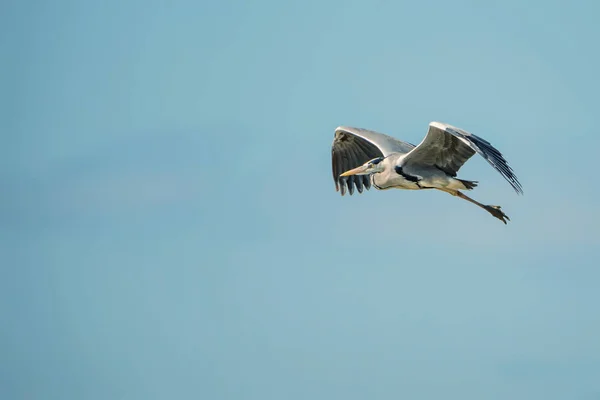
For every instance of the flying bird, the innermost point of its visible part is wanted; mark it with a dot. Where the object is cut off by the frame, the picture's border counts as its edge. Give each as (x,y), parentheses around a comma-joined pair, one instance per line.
(362,158)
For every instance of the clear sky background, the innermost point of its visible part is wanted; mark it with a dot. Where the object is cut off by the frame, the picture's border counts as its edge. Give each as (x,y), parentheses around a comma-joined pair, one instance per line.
(169,227)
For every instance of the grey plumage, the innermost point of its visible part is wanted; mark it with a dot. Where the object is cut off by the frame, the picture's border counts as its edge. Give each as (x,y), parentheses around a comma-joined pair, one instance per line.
(433,164)
(448,148)
(355,146)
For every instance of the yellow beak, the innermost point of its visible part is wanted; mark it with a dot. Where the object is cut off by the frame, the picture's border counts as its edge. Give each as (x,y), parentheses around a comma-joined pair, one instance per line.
(354,171)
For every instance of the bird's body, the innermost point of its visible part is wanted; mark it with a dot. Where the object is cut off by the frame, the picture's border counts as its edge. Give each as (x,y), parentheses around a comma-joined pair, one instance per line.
(415,177)
(363,158)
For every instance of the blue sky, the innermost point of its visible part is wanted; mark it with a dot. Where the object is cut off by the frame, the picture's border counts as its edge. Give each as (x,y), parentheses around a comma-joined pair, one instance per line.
(169,226)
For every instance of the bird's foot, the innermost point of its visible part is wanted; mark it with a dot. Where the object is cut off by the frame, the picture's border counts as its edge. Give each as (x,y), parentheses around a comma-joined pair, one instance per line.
(496,212)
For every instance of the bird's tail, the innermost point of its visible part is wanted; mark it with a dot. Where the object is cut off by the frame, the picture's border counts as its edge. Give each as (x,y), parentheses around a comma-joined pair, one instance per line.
(469,185)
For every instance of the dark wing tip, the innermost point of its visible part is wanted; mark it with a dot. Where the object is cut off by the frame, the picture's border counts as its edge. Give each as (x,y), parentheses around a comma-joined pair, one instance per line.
(490,153)
(350,151)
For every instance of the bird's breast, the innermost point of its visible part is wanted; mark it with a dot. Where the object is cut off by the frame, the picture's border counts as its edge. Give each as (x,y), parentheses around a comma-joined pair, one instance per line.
(393,181)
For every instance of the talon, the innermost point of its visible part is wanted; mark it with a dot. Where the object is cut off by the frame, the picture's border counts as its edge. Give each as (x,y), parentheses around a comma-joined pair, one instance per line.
(495,211)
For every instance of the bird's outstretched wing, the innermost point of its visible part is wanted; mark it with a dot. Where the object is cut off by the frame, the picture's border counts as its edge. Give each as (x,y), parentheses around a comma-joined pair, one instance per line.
(448,148)
(353,147)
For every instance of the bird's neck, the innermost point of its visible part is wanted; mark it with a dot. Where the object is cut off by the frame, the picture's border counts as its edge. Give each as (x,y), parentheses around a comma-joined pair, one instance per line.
(377,181)
(381,180)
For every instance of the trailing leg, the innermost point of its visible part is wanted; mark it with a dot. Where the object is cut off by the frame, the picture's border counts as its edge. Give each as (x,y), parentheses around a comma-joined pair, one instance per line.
(494,210)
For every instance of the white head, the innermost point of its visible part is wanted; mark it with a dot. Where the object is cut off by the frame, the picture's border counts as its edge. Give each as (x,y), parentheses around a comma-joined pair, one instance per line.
(370,167)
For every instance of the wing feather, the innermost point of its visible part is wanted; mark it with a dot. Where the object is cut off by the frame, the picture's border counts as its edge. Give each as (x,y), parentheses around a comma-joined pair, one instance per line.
(448,148)
(352,147)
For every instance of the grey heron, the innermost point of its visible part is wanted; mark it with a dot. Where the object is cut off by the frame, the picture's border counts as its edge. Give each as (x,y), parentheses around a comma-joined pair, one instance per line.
(362,158)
